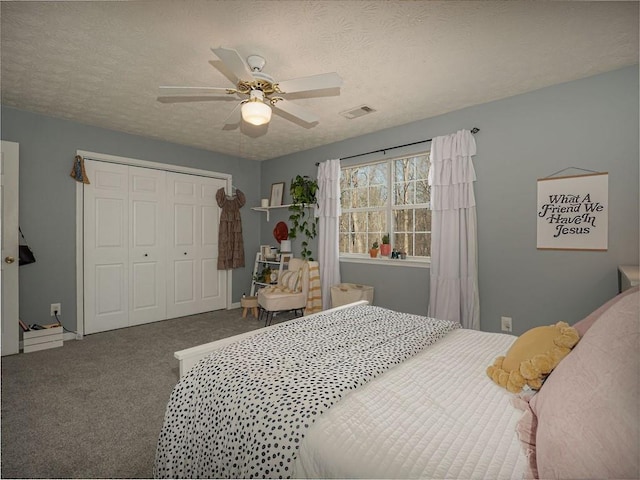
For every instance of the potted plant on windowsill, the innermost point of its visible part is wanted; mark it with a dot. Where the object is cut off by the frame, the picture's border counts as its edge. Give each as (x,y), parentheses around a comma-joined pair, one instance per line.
(385,248)
(373,251)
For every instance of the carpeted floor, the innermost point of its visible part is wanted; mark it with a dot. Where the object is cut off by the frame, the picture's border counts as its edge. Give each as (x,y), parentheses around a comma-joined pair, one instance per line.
(93,408)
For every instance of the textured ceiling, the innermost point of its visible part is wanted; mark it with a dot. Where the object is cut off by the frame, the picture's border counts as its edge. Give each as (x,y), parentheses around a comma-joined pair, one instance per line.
(101,63)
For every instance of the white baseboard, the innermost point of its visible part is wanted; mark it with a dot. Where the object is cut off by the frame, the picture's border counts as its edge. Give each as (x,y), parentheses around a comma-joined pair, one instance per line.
(234,305)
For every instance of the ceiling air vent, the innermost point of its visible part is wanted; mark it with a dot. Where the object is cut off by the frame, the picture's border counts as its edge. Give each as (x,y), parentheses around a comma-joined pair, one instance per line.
(357,112)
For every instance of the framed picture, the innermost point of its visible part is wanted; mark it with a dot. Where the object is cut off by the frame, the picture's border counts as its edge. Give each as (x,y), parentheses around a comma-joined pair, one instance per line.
(277,191)
(265,251)
(573,212)
(285,257)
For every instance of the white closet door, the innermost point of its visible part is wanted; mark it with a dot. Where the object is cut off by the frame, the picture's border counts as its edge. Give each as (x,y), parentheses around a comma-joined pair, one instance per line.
(194,284)
(147,248)
(106,247)
(9,298)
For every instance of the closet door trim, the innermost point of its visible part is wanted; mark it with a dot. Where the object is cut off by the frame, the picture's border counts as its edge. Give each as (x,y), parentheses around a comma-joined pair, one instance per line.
(103,157)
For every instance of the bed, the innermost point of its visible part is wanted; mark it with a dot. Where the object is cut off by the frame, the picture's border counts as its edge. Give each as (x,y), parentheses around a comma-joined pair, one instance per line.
(392,395)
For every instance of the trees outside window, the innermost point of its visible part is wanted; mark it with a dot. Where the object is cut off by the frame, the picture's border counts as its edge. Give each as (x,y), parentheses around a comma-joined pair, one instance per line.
(389,196)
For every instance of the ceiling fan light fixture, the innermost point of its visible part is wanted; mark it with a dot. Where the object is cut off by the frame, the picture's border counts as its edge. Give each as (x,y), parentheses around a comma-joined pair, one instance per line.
(254,111)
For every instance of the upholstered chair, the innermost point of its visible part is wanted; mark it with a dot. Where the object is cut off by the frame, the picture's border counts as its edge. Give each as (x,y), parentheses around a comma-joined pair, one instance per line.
(290,294)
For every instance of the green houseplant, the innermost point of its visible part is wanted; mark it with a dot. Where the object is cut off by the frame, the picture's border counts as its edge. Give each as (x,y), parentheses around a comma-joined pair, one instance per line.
(303,222)
(373,251)
(385,248)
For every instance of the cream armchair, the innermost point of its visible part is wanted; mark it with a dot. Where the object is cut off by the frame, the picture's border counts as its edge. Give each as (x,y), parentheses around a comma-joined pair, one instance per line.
(290,294)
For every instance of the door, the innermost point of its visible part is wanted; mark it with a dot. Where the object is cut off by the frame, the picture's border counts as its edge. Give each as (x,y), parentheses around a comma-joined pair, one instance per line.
(106,247)
(194,283)
(147,245)
(9,246)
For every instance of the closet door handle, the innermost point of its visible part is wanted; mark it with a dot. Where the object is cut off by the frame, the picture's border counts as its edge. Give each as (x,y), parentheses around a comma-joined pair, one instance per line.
(185,253)
(146,254)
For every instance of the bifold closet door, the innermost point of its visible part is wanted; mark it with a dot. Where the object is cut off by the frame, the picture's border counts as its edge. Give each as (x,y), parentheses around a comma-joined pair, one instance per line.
(106,247)
(125,247)
(194,283)
(147,247)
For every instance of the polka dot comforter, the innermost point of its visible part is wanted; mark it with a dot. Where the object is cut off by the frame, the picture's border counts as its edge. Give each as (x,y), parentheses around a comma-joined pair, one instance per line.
(243,410)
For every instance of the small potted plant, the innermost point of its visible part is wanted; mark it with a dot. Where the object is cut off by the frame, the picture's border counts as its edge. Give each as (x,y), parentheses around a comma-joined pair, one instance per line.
(373,251)
(385,248)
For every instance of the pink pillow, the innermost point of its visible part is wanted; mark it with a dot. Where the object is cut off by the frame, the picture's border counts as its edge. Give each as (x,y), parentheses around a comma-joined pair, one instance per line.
(583,325)
(587,410)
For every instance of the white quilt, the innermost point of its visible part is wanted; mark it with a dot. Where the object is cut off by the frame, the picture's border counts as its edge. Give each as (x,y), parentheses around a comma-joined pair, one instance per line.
(243,411)
(437,415)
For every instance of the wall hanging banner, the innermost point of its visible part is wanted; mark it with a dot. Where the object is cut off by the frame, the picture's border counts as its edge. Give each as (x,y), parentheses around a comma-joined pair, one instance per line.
(573,212)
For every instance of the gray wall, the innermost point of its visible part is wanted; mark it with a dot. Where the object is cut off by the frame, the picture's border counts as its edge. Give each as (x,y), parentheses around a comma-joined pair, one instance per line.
(590,123)
(47,201)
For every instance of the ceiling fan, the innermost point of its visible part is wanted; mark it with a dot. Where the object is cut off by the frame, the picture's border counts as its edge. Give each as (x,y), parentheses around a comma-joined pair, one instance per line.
(261,90)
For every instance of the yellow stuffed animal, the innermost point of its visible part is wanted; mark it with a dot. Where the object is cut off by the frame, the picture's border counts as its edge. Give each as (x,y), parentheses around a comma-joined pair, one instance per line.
(533,356)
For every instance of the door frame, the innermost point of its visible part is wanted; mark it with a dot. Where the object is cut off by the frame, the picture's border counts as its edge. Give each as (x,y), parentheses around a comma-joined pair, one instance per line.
(103,157)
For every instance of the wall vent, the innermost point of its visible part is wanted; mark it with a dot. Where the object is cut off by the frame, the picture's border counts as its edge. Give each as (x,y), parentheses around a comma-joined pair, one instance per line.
(357,112)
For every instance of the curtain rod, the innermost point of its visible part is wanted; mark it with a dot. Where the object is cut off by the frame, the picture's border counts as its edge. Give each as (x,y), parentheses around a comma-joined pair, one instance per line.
(474,130)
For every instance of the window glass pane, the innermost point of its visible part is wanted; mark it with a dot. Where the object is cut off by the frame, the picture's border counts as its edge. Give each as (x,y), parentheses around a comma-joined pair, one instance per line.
(358,222)
(360,177)
(422,167)
(345,245)
(345,178)
(378,174)
(403,220)
(344,223)
(404,193)
(423,244)
(359,243)
(402,242)
(360,197)
(377,196)
(404,170)
(377,223)
(423,193)
(423,220)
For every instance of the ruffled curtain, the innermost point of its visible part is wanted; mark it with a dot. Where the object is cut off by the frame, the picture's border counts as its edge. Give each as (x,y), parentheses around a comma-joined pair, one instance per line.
(328,213)
(454,245)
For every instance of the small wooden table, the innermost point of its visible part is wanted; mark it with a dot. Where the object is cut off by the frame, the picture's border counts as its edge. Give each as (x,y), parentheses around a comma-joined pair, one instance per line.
(249,303)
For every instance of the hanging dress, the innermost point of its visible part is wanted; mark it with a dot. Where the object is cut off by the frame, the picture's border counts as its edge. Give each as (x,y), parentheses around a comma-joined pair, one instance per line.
(230,243)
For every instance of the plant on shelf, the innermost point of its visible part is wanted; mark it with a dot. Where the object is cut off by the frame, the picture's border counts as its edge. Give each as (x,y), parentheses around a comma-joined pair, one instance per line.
(373,251)
(385,248)
(264,276)
(303,196)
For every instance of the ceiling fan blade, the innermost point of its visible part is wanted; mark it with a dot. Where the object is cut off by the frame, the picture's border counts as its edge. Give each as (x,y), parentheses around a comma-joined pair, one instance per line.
(234,62)
(297,111)
(167,90)
(234,117)
(314,82)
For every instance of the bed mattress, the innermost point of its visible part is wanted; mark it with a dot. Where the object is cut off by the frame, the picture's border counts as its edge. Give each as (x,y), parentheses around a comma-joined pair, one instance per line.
(437,415)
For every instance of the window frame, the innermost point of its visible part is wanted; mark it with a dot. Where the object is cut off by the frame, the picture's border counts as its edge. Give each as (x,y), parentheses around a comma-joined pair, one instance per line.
(389,208)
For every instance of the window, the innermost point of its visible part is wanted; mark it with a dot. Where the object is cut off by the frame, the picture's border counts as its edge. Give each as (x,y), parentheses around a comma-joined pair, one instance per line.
(392,197)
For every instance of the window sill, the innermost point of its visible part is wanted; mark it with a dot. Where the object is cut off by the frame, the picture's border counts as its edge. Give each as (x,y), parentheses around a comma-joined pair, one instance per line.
(391,262)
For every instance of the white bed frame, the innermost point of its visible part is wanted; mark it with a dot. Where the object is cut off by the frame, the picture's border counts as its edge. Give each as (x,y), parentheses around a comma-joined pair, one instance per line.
(190,356)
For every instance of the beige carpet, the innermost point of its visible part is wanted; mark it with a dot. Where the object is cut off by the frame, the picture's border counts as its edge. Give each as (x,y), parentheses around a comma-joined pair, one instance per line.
(93,408)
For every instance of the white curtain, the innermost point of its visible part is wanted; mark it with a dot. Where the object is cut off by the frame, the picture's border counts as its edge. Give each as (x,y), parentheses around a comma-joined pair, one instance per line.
(328,212)
(454,249)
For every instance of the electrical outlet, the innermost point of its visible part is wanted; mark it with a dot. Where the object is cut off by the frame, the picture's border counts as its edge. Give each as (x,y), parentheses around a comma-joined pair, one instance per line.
(56,307)
(506,324)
